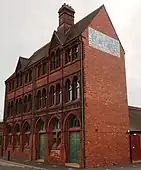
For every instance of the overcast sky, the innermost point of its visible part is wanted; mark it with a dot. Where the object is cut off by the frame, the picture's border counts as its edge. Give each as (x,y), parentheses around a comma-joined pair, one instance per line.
(27,25)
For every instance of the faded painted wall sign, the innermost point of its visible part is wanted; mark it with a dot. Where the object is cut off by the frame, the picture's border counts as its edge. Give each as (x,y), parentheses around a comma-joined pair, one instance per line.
(103,42)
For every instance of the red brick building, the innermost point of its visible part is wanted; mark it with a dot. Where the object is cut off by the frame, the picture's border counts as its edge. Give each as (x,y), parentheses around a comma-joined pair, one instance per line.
(67,103)
(135,133)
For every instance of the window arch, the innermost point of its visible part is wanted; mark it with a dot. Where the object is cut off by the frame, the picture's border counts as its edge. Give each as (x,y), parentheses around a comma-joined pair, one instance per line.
(68,89)
(26,136)
(29,102)
(52,96)
(75,88)
(73,122)
(17,134)
(58,58)
(56,134)
(25,104)
(39,99)
(58,94)
(52,63)
(17,106)
(20,106)
(44,96)
(41,125)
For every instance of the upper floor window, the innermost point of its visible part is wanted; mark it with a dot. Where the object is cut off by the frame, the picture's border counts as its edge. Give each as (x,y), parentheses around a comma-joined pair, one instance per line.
(58,58)
(12,108)
(29,102)
(17,81)
(26,77)
(13,84)
(75,52)
(44,68)
(58,94)
(52,63)
(44,96)
(68,90)
(52,96)
(30,75)
(17,106)
(39,99)
(10,86)
(8,109)
(25,104)
(75,89)
(68,56)
(21,79)
(39,71)
(20,106)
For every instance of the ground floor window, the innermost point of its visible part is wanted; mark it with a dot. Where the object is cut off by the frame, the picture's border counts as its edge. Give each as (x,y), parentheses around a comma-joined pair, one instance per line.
(56,134)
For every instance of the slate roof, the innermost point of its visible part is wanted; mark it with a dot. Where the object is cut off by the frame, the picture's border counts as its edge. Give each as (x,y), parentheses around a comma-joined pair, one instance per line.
(75,31)
(134,119)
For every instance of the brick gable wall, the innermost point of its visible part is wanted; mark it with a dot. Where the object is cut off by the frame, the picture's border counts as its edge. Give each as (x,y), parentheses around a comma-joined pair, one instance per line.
(106,109)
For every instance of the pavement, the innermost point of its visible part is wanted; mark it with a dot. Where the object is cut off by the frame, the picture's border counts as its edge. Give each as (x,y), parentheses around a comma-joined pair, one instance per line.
(9,165)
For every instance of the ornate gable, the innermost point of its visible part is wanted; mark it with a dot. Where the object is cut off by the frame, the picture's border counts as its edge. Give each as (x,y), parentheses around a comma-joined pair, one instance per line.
(55,41)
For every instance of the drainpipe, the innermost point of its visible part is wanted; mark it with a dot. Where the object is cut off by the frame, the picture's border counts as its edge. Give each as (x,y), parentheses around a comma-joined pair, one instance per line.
(82,100)
(130,145)
(32,109)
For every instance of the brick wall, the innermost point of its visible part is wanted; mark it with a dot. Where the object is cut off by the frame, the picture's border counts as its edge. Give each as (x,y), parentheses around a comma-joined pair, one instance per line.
(106,109)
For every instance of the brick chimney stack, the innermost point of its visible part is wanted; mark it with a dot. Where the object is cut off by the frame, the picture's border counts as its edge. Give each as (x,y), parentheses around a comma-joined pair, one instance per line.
(66,18)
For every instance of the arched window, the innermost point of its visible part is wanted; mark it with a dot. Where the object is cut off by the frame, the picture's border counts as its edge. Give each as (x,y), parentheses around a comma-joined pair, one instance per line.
(58,94)
(58,58)
(25,104)
(56,134)
(21,79)
(52,96)
(20,106)
(17,106)
(41,125)
(68,89)
(73,122)
(44,96)
(8,110)
(44,68)
(75,88)
(29,102)
(75,52)
(17,81)
(17,135)
(67,55)
(26,129)
(12,108)
(52,63)
(39,71)
(39,100)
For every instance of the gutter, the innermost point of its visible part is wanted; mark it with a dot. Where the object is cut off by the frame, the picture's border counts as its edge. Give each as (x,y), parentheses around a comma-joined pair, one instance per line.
(82,101)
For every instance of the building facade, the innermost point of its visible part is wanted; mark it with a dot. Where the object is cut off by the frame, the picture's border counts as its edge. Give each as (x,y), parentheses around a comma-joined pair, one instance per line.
(67,103)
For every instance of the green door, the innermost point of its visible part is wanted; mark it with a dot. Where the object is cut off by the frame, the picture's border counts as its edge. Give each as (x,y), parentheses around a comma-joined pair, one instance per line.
(74,147)
(41,146)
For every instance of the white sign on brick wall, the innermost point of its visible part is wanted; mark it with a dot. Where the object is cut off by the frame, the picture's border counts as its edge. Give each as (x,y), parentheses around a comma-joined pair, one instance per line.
(103,42)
